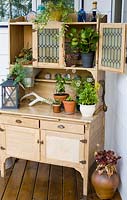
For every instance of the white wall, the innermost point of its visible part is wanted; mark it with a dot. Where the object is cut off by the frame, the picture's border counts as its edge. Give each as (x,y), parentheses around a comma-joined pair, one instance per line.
(4,57)
(116,100)
(116,123)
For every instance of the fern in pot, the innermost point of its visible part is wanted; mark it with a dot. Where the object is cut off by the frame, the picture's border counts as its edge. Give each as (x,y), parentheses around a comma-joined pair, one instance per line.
(88,99)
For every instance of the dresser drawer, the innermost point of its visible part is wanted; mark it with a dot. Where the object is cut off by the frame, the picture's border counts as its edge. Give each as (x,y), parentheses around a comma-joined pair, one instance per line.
(19,121)
(62,126)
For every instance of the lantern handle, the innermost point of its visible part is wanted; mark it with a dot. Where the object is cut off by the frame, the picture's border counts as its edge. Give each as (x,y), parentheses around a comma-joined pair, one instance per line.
(37,99)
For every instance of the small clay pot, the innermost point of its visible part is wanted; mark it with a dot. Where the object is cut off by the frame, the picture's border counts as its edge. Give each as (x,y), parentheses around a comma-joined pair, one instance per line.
(104,185)
(69,106)
(56,108)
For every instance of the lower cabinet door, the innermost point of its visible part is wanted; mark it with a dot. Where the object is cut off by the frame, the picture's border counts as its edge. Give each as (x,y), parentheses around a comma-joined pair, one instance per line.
(58,147)
(2,142)
(22,142)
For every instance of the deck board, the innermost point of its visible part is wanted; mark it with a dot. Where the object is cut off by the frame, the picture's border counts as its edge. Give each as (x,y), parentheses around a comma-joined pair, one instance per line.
(15,181)
(29,180)
(55,183)
(69,184)
(42,182)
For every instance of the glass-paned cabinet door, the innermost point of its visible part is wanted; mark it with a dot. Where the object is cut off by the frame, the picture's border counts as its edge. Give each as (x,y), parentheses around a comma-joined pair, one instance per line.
(48,49)
(112,47)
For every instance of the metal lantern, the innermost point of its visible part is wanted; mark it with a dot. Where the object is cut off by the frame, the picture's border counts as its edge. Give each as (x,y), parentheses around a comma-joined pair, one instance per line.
(10,94)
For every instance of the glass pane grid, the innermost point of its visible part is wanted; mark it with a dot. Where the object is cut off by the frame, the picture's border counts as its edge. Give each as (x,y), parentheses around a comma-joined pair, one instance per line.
(111,47)
(48,46)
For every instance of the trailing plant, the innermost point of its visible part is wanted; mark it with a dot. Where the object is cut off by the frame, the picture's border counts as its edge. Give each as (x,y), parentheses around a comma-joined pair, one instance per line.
(47,14)
(18,74)
(106,162)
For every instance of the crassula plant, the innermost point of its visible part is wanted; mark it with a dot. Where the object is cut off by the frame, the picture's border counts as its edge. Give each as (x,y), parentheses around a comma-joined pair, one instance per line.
(106,162)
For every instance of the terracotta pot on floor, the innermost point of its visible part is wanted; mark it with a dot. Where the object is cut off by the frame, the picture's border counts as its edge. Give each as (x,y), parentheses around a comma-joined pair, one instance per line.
(105,186)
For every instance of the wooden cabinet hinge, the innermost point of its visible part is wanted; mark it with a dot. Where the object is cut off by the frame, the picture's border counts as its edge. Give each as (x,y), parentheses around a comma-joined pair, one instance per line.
(2,148)
(83,162)
(83,141)
(1,129)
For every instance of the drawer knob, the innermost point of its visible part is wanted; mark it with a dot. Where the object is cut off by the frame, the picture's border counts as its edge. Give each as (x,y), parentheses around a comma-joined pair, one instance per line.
(83,162)
(18,121)
(1,129)
(61,126)
(2,148)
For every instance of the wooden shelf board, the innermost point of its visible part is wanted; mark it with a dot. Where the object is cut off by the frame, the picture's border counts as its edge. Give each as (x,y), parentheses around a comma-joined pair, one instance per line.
(81,23)
(21,23)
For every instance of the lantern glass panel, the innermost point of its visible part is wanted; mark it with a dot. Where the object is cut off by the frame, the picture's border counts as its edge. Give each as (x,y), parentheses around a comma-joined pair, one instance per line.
(9,97)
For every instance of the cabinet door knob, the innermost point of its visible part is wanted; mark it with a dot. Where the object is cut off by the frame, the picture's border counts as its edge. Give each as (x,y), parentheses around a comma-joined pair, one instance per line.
(1,129)
(38,141)
(42,142)
(2,148)
(61,126)
(18,121)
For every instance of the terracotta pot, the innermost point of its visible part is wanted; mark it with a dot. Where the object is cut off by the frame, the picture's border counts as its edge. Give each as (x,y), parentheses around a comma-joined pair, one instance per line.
(69,106)
(60,96)
(105,186)
(56,108)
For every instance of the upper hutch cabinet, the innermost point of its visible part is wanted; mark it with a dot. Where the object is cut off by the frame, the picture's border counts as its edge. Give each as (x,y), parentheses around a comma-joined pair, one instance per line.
(48,46)
(112,47)
(20,37)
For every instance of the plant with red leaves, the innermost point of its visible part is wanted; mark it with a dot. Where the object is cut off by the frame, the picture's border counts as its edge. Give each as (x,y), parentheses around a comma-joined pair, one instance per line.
(106,162)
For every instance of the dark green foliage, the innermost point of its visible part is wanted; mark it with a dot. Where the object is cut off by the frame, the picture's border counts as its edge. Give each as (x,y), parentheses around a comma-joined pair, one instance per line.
(83,40)
(18,73)
(15,8)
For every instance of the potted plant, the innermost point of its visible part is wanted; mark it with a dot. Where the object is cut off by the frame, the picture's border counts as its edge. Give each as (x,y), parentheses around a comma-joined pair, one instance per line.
(60,88)
(72,47)
(105,178)
(25,56)
(88,44)
(56,106)
(53,11)
(85,42)
(88,98)
(69,105)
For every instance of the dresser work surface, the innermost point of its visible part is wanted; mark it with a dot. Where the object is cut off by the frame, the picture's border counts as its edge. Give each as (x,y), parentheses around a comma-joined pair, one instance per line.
(37,134)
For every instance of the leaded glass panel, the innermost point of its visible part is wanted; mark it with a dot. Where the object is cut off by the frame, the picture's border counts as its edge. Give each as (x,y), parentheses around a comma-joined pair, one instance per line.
(48,46)
(112,47)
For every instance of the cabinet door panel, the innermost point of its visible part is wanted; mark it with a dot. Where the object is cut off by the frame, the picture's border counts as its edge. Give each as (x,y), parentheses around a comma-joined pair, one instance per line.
(2,142)
(64,147)
(48,47)
(112,46)
(22,142)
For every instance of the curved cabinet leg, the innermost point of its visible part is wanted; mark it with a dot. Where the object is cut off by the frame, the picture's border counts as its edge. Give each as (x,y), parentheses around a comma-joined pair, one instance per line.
(84,197)
(3,169)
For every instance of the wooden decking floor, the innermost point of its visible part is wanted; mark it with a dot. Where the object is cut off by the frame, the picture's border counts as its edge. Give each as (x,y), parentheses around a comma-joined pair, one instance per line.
(36,181)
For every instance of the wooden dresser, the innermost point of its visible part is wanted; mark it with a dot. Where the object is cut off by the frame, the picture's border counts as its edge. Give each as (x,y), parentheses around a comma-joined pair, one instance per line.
(38,134)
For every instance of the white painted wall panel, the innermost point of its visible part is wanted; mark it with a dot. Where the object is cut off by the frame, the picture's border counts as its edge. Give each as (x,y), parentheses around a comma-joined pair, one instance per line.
(4,56)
